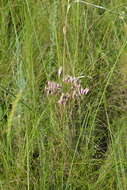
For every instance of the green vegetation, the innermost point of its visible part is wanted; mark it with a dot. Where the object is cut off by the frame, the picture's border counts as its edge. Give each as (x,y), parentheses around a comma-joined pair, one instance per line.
(79,146)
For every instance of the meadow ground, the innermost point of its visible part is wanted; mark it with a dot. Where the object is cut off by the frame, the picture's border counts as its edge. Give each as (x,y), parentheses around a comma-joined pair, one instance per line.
(81,145)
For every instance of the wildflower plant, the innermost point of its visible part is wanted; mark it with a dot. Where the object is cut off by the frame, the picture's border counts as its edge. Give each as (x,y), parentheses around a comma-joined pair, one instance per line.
(67,90)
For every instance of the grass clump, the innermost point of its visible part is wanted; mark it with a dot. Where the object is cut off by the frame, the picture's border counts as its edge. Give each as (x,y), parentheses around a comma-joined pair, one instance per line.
(81,145)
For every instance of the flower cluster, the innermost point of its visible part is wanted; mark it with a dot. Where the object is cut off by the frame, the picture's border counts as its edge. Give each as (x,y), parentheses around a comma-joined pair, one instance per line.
(52,88)
(76,86)
(75,91)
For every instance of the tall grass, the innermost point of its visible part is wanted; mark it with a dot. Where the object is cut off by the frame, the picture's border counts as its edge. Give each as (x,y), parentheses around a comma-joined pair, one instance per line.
(78,146)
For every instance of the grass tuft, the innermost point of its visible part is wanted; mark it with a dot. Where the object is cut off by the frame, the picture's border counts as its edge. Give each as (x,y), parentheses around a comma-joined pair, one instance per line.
(81,145)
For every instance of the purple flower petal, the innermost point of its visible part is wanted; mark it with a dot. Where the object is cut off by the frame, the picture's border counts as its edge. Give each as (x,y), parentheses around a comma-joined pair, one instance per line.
(84,91)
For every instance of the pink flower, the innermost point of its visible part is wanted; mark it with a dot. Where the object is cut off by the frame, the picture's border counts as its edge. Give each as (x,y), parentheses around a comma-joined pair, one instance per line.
(74,92)
(52,87)
(84,91)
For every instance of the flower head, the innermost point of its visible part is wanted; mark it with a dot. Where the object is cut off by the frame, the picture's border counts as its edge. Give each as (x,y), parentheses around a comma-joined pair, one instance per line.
(52,87)
(74,89)
(84,91)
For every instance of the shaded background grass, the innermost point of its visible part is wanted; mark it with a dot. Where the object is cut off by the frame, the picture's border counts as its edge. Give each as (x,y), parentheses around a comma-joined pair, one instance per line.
(42,145)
